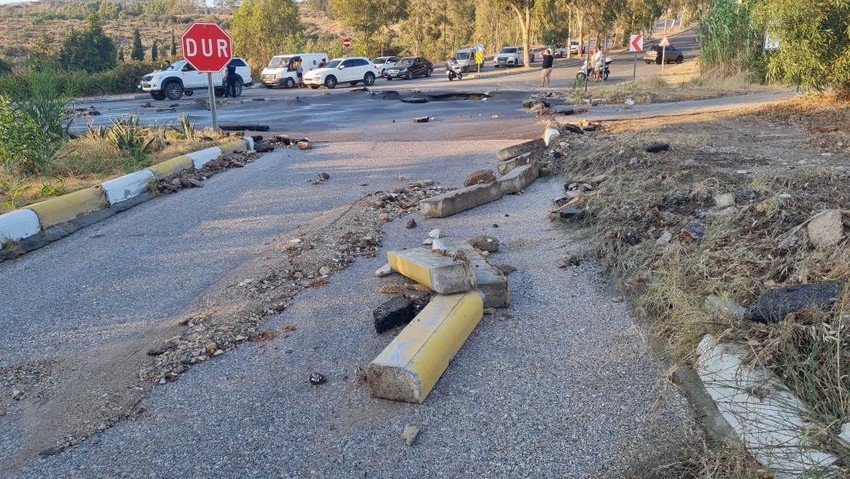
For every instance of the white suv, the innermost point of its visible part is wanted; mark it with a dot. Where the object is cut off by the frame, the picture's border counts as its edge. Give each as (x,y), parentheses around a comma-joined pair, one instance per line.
(341,70)
(181,78)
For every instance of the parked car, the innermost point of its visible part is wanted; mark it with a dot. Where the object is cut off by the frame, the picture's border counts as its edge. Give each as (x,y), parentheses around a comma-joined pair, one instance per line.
(558,52)
(277,72)
(574,46)
(382,63)
(180,78)
(410,67)
(672,55)
(511,57)
(340,70)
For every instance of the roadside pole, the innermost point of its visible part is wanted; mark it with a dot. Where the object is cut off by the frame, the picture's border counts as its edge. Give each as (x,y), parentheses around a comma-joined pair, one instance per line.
(634,66)
(212,101)
(663,57)
(635,46)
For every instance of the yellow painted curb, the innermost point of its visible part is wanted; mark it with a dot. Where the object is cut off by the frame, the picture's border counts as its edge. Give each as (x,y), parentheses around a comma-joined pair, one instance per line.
(440,273)
(410,366)
(173,165)
(68,207)
(231,146)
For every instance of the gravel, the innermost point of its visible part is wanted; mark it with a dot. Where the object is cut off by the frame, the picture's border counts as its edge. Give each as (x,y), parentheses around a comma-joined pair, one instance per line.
(559,385)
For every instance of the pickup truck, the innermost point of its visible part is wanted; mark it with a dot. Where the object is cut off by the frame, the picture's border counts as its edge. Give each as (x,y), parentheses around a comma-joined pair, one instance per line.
(180,78)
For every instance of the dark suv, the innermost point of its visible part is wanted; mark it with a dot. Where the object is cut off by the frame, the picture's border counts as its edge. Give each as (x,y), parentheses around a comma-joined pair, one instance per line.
(672,55)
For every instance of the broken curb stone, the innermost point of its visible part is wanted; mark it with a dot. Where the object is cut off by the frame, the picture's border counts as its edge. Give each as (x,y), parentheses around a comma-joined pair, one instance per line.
(480,177)
(516,150)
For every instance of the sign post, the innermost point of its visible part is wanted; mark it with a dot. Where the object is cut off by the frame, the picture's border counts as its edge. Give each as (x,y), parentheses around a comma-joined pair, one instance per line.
(479,56)
(346,43)
(635,46)
(209,49)
(664,43)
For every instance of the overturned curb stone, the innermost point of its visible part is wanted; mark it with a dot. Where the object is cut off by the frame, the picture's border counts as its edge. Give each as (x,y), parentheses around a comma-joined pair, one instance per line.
(768,418)
(17,225)
(459,200)
(516,150)
(409,367)
(435,271)
(67,208)
(516,180)
(507,166)
(550,134)
(492,283)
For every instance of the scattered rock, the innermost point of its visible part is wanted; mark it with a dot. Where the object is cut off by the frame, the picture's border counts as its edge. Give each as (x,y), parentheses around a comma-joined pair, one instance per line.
(317,379)
(385,217)
(573,129)
(324,271)
(657,147)
(506,269)
(392,289)
(826,229)
(304,145)
(695,230)
(396,312)
(409,435)
(485,243)
(745,196)
(17,394)
(774,305)
(665,238)
(384,270)
(428,241)
(324,176)
(480,177)
(263,146)
(573,214)
(629,102)
(411,223)
(725,200)
(717,303)
(435,233)
(422,119)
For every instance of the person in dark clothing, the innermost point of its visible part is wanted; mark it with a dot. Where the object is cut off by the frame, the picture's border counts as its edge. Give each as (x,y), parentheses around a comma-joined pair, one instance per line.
(230,81)
(546,68)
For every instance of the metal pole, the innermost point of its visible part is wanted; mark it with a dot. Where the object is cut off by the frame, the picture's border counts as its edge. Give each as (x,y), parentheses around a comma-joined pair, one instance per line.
(634,70)
(663,57)
(212,101)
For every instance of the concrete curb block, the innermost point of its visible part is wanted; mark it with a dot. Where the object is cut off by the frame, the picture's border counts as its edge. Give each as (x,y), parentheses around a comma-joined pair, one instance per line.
(202,157)
(507,166)
(768,418)
(440,273)
(516,180)
(17,225)
(67,208)
(459,200)
(44,222)
(516,150)
(127,187)
(409,367)
(169,167)
(492,283)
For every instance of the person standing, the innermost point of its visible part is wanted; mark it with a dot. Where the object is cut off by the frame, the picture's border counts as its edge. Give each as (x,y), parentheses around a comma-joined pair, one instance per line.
(230,81)
(546,68)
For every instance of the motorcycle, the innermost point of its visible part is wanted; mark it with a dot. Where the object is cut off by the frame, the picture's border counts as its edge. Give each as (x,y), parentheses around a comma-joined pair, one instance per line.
(586,70)
(453,71)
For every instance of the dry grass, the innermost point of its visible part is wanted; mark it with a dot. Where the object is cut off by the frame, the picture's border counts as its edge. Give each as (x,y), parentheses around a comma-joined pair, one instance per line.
(93,159)
(739,257)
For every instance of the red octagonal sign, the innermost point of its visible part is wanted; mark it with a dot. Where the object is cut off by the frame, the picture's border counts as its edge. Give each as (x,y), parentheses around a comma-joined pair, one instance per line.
(207,47)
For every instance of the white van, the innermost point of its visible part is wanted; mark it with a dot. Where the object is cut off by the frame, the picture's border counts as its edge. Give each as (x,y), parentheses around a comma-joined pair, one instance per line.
(280,72)
(465,59)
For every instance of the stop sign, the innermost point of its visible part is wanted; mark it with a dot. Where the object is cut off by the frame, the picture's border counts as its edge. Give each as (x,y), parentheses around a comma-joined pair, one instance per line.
(207,47)
(346,42)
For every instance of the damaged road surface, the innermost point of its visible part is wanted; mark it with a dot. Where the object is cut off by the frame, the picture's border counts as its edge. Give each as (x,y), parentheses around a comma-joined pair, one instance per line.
(225,331)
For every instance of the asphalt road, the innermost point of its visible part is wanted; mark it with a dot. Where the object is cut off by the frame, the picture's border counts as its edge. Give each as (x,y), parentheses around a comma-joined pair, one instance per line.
(307,111)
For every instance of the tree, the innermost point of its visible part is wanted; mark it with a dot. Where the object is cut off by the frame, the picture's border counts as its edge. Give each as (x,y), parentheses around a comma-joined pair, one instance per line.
(368,17)
(154,53)
(44,49)
(522,9)
(137,52)
(173,44)
(88,49)
(814,43)
(264,28)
